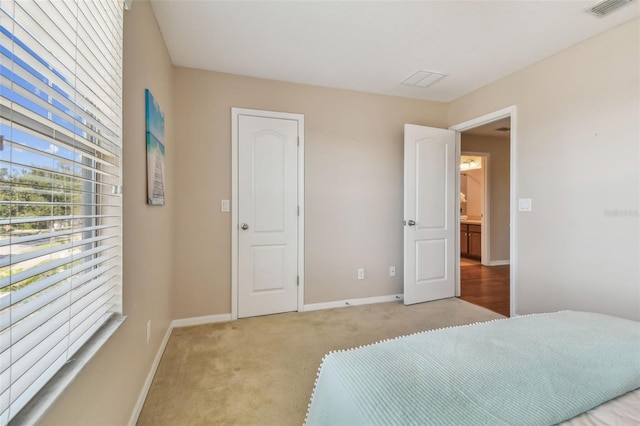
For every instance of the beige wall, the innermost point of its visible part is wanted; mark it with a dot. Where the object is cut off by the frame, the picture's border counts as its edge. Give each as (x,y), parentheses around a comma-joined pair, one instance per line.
(498,150)
(577,158)
(577,151)
(353,185)
(107,389)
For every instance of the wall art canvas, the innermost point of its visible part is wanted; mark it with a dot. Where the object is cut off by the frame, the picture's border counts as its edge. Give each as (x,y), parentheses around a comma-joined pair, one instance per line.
(155,151)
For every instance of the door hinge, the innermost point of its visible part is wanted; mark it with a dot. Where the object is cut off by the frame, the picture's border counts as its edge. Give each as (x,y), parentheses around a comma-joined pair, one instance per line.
(298,140)
(298,210)
(298,280)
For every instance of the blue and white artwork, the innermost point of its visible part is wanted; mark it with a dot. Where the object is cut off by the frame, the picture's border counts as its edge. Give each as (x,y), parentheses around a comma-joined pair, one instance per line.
(155,151)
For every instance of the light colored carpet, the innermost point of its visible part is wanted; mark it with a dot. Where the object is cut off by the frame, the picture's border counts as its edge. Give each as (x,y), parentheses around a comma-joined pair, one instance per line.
(261,370)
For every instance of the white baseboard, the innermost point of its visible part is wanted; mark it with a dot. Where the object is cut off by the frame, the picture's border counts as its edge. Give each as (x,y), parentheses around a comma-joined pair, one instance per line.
(147,383)
(498,262)
(352,302)
(207,319)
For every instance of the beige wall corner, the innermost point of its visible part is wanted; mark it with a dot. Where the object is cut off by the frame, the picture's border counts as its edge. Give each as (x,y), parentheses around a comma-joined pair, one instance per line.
(106,392)
(353,177)
(577,159)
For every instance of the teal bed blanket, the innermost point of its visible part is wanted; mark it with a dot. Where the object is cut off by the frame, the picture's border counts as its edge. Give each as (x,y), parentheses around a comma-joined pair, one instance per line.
(530,370)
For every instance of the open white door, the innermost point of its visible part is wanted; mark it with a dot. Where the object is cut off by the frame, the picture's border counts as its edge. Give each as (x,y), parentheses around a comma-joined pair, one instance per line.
(429,212)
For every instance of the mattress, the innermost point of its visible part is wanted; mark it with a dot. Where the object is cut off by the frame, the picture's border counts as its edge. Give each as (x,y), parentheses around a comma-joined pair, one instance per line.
(537,369)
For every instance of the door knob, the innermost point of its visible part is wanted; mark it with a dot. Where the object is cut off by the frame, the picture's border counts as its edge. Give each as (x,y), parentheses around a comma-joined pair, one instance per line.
(244,226)
(412,222)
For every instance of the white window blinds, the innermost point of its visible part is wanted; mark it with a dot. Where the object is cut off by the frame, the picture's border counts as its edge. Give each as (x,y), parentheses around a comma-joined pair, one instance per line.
(60,208)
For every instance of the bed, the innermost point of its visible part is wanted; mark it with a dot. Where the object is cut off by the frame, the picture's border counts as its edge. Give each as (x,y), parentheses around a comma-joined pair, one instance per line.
(575,367)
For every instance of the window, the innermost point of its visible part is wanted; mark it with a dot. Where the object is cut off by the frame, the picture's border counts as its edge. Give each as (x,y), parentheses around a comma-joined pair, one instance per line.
(60,206)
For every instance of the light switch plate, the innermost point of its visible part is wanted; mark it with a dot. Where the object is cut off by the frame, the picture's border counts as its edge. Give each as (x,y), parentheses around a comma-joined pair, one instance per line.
(524,204)
(224,206)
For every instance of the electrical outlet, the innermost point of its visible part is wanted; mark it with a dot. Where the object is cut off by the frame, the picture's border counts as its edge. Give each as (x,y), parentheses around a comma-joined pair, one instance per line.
(392,271)
(361,273)
(148,330)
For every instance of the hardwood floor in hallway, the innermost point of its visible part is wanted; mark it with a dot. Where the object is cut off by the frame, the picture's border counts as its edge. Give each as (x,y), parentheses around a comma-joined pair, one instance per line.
(486,286)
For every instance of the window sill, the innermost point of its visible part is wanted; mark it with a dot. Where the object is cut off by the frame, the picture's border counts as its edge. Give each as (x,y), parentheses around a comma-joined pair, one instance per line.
(38,406)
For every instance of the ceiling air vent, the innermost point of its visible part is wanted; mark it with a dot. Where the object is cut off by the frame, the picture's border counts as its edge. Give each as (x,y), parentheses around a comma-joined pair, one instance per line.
(503,129)
(423,79)
(607,6)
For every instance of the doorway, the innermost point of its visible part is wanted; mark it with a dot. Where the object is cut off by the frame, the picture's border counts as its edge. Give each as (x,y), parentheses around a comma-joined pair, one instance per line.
(486,277)
(474,207)
(267,212)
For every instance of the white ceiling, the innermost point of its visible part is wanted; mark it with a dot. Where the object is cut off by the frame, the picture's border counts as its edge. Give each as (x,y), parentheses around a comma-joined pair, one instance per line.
(372,46)
(490,129)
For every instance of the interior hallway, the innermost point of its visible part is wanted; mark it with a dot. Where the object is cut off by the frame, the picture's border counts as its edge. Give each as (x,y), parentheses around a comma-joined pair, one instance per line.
(486,286)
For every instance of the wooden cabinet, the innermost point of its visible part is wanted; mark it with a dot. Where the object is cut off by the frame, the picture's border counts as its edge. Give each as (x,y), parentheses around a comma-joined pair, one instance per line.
(464,240)
(471,240)
(475,240)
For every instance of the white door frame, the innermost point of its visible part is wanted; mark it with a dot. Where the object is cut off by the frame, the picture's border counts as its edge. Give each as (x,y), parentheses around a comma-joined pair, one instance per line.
(513,252)
(235,112)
